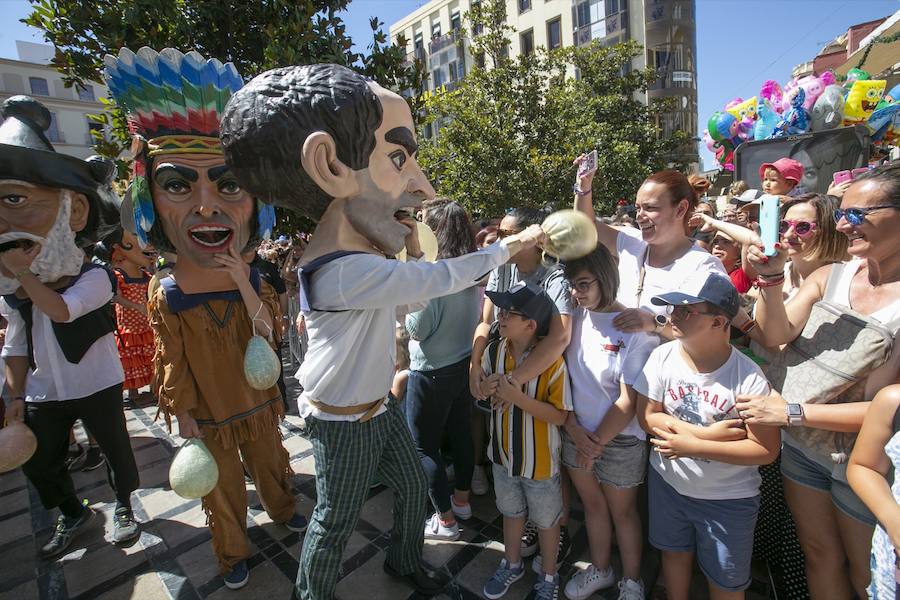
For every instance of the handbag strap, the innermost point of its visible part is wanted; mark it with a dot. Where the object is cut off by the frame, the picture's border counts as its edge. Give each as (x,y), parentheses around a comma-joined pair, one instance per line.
(641,275)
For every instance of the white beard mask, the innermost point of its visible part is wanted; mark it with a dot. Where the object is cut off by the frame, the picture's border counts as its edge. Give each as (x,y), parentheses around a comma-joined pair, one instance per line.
(59,255)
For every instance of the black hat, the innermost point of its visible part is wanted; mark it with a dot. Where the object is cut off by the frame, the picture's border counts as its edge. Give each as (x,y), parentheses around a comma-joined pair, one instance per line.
(27,155)
(704,287)
(529,300)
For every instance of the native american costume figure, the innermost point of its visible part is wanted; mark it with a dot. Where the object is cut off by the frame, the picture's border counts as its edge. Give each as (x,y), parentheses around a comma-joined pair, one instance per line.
(184,199)
(325,142)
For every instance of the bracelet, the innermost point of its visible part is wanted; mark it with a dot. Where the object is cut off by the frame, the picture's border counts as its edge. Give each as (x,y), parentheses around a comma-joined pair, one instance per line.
(774,277)
(748,326)
(764,283)
(581,192)
(22,272)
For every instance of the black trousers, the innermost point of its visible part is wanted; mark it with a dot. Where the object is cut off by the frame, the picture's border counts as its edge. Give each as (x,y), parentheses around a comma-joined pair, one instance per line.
(51,421)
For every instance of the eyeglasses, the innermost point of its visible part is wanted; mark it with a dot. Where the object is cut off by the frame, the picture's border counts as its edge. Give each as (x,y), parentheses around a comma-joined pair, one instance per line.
(855,216)
(801,228)
(582,286)
(683,314)
(505,313)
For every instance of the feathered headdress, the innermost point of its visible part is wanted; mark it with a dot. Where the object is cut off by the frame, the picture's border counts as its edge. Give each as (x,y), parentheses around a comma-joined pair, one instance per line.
(173,103)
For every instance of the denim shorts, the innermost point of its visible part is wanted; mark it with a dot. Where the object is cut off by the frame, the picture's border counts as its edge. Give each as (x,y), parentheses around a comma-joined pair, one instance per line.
(802,469)
(538,499)
(623,463)
(720,532)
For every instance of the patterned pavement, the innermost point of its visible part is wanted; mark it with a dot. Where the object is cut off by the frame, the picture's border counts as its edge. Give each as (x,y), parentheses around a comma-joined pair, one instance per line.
(173,558)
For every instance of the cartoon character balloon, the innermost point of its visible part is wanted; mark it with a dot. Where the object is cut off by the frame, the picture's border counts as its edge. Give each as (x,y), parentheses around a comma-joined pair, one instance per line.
(828,111)
(766,120)
(894,94)
(885,124)
(795,120)
(771,92)
(813,87)
(854,75)
(862,100)
(723,127)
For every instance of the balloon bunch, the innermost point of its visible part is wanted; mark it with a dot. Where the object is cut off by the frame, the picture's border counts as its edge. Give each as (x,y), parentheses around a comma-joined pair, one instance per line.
(810,103)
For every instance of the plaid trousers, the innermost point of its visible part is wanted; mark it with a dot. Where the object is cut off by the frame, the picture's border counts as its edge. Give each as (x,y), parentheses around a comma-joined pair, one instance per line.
(349,455)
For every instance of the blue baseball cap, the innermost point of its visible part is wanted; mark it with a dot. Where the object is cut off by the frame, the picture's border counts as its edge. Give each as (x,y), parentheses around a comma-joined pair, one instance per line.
(529,300)
(711,288)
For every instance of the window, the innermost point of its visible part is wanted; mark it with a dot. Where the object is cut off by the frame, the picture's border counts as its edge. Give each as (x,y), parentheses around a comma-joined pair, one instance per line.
(418,44)
(436,29)
(526,43)
(93,126)
(53,131)
(86,93)
(524,6)
(437,77)
(554,33)
(455,21)
(39,86)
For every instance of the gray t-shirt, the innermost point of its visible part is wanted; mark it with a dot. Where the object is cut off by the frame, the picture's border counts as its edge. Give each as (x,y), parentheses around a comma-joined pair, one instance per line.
(550,279)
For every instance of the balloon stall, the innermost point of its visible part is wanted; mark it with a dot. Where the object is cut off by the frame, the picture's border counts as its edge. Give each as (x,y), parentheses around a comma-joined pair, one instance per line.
(807,104)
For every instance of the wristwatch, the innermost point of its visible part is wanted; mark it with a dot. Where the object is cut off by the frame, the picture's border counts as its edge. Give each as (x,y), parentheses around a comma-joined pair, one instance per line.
(660,321)
(794,414)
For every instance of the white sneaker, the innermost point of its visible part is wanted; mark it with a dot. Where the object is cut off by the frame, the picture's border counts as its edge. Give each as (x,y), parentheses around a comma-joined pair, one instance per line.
(480,483)
(629,589)
(588,581)
(537,565)
(435,530)
(461,511)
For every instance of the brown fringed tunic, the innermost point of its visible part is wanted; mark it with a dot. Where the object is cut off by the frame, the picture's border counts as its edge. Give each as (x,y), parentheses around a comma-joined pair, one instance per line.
(199,368)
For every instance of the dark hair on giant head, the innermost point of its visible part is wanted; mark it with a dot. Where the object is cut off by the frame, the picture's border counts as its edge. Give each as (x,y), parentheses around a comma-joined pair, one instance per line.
(451,226)
(266,123)
(601,264)
(678,187)
(103,250)
(887,177)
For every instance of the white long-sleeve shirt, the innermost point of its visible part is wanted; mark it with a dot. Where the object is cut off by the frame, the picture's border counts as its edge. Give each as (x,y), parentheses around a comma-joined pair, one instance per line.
(351,353)
(54,377)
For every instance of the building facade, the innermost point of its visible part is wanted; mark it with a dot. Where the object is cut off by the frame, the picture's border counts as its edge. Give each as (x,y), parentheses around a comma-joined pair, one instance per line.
(665,28)
(69,108)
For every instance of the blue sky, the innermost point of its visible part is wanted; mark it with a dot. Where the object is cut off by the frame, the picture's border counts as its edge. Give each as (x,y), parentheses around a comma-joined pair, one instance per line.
(740,43)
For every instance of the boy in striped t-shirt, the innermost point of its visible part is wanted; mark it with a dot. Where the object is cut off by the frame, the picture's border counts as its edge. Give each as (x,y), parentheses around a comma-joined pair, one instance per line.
(525,440)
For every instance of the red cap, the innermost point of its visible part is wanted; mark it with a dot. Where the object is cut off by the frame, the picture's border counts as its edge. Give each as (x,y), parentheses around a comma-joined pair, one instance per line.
(621,202)
(789,168)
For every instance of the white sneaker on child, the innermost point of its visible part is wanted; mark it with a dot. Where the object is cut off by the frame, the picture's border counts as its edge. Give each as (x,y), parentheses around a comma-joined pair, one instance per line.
(480,483)
(587,581)
(436,530)
(629,589)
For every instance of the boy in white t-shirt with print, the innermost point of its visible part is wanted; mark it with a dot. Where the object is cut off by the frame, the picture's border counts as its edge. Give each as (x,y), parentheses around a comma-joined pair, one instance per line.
(704,481)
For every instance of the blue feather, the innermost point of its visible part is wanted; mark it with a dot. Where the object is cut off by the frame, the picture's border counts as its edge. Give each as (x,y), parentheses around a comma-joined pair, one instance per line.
(233,78)
(191,65)
(265,216)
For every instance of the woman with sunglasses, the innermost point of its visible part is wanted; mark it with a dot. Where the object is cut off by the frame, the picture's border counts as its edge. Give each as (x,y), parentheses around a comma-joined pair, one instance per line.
(833,525)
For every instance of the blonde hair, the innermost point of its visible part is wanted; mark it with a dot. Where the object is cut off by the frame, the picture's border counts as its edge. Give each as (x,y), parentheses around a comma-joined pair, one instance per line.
(829,244)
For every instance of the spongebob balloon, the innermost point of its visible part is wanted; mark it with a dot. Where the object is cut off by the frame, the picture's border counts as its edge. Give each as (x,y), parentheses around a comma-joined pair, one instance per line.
(862,100)
(744,110)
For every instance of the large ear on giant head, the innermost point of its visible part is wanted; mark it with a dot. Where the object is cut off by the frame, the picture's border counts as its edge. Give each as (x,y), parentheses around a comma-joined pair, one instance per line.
(81,210)
(321,163)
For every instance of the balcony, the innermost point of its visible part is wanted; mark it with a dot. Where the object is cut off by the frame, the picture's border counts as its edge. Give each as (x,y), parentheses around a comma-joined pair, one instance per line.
(439,43)
(417,54)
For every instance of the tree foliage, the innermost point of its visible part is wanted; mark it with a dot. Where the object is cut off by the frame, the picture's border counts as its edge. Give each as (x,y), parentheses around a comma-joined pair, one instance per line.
(255,35)
(509,132)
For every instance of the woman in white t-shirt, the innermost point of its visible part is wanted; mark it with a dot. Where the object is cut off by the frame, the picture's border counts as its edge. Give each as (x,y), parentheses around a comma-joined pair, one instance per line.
(658,261)
(833,525)
(604,448)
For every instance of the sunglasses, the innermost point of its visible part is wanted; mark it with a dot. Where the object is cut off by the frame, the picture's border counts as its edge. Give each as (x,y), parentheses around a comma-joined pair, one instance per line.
(855,216)
(582,286)
(801,228)
(506,313)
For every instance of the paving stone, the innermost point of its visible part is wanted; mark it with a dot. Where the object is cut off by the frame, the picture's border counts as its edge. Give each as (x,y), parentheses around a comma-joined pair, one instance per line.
(377,584)
(25,591)
(266,581)
(146,586)
(379,510)
(199,564)
(99,565)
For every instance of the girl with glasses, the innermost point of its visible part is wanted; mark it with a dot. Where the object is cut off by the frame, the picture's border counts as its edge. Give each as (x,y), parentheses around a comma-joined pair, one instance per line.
(833,525)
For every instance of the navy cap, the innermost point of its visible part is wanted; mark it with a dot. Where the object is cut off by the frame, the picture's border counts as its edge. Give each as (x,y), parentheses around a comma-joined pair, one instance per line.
(529,300)
(711,288)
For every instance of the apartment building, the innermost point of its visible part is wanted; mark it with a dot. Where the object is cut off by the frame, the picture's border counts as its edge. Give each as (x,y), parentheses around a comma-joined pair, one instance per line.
(666,29)
(31,74)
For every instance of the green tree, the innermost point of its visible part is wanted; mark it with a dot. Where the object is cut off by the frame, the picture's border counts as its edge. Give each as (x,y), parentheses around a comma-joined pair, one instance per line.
(510,130)
(255,35)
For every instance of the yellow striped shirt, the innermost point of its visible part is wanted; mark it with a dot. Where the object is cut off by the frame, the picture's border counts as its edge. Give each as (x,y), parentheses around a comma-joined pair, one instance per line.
(525,445)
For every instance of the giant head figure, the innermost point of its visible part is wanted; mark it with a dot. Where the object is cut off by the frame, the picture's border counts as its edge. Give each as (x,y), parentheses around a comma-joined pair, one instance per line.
(58,201)
(183,198)
(327,143)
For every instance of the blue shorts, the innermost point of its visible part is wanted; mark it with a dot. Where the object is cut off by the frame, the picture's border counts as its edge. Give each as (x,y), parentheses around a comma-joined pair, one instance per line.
(799,468)
(720,532)
(538,499)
